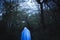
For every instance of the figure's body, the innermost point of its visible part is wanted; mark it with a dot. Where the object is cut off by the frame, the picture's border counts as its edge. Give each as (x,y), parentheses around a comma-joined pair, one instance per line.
(25,34)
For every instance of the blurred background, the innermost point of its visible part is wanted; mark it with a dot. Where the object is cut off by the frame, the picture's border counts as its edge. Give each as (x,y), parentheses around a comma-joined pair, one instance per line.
(41,17)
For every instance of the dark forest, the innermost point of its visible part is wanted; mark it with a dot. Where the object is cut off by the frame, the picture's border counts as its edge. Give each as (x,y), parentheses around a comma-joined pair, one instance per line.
(41,17)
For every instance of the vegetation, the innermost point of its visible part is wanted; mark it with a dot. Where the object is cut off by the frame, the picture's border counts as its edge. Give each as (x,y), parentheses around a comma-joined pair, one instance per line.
(44,25)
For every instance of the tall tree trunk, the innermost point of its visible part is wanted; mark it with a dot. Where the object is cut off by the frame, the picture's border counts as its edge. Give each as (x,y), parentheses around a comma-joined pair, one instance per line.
(42,17)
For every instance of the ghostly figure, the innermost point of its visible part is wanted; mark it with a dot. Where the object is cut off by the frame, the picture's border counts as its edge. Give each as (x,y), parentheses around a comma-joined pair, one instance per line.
(25,34)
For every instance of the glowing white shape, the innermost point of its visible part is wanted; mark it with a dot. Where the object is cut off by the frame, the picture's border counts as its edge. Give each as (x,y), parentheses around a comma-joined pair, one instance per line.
(0,14)
(25,34)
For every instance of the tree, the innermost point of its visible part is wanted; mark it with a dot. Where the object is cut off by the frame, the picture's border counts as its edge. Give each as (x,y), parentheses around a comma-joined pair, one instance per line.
(50,15)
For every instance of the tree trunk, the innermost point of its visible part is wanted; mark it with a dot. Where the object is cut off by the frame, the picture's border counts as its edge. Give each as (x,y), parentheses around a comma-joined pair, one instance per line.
(42,17)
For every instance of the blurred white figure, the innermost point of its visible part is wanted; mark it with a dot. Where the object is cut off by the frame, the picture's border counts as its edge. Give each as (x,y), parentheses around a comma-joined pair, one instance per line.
(25,34)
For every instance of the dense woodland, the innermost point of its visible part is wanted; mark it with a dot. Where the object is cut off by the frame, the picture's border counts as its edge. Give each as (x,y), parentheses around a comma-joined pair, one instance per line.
(44,25)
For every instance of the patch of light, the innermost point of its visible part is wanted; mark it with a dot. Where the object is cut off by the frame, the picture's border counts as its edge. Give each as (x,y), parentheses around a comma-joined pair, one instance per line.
(26,0)
(33,13)
(29,15)
(23,21)
(29,11)
(29,6)
(41,0)
(0,14)
(32,5)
